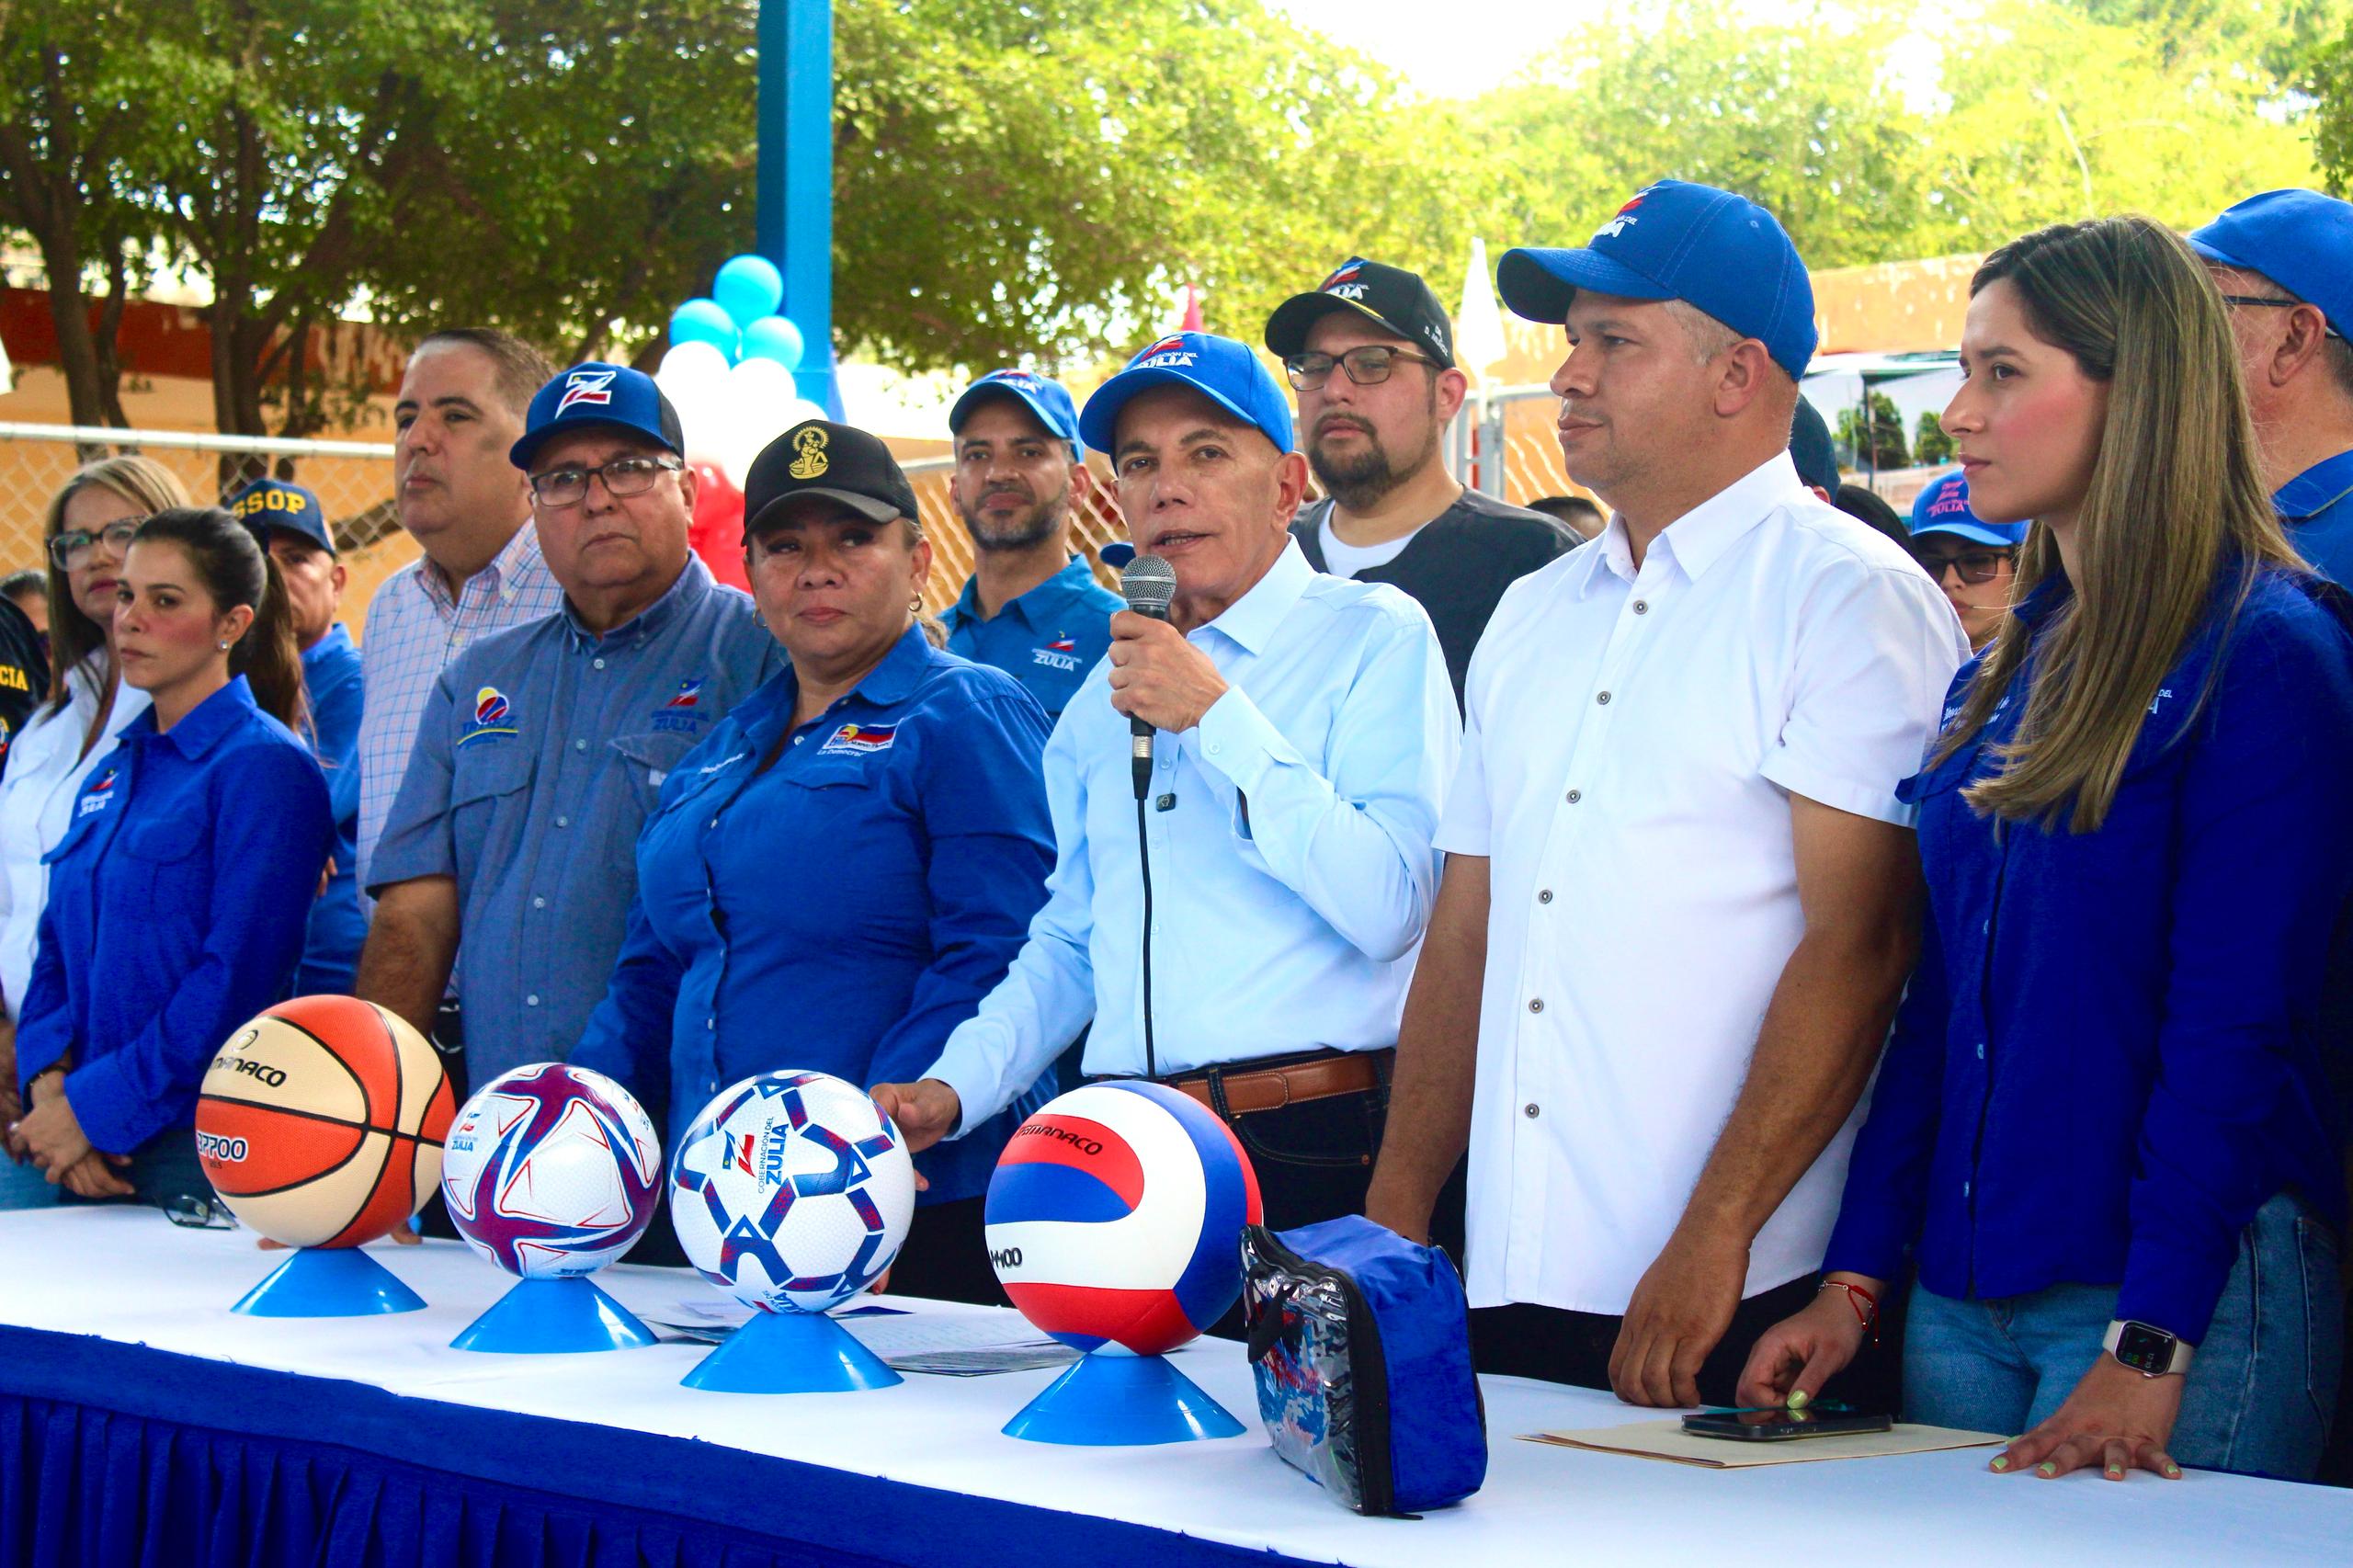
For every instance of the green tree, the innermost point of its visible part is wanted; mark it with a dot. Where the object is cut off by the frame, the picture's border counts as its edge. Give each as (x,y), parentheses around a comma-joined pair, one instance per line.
(1881,446)
(1931,444)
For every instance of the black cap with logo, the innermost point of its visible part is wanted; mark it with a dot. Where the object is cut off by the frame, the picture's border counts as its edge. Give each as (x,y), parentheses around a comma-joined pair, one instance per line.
(833,463)
(1389,297)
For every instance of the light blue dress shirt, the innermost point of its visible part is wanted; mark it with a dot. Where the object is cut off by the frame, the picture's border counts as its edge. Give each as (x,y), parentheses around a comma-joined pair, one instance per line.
(1291,866)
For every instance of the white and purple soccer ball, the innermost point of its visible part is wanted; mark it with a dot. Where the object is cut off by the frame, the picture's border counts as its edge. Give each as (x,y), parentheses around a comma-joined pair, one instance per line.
(791,1191)
(552,1171)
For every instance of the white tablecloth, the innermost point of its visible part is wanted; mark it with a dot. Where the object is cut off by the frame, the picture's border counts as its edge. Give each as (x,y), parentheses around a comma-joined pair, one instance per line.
(128,1275)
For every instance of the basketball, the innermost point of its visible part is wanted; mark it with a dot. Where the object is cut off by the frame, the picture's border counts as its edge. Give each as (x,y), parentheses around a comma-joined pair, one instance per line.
(1115,1217)
(320,1123)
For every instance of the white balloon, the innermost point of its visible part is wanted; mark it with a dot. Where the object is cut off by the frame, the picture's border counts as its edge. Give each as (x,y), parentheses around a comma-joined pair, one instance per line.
(760,402)
(686,364)
(803,409)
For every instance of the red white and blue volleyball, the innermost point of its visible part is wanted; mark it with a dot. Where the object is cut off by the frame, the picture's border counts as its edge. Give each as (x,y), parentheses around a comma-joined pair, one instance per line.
(791,1191)
(552,1171)
(1115,1217)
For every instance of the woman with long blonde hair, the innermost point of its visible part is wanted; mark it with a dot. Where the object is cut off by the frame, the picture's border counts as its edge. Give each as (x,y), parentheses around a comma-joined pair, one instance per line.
(2102,1131)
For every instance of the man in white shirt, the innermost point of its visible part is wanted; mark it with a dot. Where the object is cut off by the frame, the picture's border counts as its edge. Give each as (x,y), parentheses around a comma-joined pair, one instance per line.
(1680,897)
(1304,730)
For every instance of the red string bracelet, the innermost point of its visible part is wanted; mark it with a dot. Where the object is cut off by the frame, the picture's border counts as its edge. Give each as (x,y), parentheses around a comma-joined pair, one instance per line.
(1866,1305)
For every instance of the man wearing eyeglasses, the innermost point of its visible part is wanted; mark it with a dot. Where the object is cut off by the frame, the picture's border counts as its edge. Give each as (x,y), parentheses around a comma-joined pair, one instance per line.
(1370,353)
(507,853)
(1974,562)
(2284,262)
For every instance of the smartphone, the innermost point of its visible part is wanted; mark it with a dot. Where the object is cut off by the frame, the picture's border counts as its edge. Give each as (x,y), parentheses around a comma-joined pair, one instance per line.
(1781,1426)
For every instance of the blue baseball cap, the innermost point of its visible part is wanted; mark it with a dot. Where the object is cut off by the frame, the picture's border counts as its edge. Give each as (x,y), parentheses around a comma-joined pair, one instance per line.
(1713,250)
(1047,399)
(1943,508)
(269,505)
(1220,368)
(2300,239)
(595,395)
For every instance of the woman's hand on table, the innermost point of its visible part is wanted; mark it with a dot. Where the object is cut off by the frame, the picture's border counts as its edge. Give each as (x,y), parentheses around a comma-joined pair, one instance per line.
(1793,1358)
(97,1176)
(2116,1420)
(50,1132)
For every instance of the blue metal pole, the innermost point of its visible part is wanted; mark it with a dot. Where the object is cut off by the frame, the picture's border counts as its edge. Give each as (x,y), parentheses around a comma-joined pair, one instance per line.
(793,215)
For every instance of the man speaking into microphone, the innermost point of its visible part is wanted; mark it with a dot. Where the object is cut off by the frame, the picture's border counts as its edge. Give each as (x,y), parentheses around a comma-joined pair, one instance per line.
(1303,730)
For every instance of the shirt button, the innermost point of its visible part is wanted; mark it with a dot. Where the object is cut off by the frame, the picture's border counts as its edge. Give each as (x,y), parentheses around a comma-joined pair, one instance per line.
(538,903)
(1964,1189)
(1981,1051)
(796,740)
(1545,896)
(598,665)
(563,821)
(1535,1003)
(710,1024)
(1574,796)
(1529,1110)
(1641,608)
(532,1000)
(1216,750)
(580,746)
(714,822)
(1603,700)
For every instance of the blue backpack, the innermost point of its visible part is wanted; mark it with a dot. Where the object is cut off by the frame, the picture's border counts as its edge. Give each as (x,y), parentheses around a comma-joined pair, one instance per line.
(1360,1348)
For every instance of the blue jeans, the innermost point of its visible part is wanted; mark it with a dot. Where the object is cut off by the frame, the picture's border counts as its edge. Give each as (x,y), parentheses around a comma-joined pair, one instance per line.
(2258,1394)
(23,1186)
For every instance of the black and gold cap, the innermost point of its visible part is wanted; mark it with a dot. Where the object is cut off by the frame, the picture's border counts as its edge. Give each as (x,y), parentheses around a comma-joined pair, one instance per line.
(832,462)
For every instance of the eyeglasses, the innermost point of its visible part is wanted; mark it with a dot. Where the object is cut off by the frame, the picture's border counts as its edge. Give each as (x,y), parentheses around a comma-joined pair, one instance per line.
(72,548)
(1974,565)
(2276,303)
(1367,366)
(196,1212)
(622,476)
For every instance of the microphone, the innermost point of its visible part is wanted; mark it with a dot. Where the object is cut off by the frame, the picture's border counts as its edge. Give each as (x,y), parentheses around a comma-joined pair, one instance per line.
(1149,584)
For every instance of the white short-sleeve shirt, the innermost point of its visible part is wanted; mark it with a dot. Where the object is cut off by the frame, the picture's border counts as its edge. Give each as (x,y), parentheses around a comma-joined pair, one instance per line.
(1633,738)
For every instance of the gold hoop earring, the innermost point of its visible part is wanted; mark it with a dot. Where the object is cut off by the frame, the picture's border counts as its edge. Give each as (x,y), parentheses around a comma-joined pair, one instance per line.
(915,606)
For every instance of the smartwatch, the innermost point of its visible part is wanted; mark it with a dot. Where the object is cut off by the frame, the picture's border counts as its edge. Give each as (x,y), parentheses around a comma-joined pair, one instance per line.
(2152,1352)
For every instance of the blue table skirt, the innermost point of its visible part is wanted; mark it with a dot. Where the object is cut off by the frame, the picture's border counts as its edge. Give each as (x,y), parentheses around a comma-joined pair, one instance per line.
(115,1454)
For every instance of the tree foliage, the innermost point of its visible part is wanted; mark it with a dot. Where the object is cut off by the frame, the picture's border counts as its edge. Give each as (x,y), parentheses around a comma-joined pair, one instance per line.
(1034,180)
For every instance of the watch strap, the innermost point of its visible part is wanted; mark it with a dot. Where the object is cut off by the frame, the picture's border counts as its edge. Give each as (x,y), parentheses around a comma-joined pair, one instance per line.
(2176,1362)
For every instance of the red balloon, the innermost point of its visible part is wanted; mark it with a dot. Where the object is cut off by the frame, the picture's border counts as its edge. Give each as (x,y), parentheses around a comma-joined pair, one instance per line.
(717,532)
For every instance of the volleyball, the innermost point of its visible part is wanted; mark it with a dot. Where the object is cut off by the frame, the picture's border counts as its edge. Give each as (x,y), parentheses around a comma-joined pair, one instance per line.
(1115,1217)
(552,1171)
(320,1123)
(791,1191)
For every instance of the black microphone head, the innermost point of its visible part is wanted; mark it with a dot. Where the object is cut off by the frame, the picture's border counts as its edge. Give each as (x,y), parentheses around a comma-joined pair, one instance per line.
(1149,584)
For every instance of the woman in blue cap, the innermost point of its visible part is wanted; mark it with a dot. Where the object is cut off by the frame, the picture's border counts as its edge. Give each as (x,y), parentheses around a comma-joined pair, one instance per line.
(2102,1131)
(178,895)
(1974,562)
(844,867)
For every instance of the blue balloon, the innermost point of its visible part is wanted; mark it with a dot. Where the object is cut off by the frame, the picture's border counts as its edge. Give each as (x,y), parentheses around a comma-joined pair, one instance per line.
(703,321)
(773,337)
(748,287)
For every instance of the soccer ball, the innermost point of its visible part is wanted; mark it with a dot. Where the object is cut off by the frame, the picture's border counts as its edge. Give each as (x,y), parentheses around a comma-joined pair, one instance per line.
(1115,1217)
(791,1191)
(552,1171)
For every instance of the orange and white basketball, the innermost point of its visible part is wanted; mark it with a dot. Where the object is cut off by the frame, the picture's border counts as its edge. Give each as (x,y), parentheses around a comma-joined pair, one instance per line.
(320,1123)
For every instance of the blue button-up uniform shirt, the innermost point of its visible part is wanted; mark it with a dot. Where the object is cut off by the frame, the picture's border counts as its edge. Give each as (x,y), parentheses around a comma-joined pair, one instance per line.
(176,902)
(1290,836)
(842,907)
(2317,506)
(542,749)
(1047,638)
(2112,1052)
(331,682)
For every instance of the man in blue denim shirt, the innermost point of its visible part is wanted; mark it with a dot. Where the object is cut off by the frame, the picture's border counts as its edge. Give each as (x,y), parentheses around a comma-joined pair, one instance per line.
(543,747)
(1031,607)
(2284,261)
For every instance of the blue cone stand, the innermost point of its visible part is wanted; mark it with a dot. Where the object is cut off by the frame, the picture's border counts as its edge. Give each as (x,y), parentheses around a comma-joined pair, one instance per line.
(1121,1401)
(550,1317)
(791,1353)
(329,1282)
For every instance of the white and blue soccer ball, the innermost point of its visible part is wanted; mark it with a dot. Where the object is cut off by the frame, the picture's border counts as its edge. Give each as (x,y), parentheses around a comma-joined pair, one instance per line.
(791,1191)
(552,1171)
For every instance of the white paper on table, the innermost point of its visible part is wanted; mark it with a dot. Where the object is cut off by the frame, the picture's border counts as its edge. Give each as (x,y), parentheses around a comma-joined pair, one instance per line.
(953,1344)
